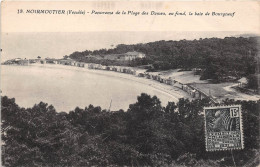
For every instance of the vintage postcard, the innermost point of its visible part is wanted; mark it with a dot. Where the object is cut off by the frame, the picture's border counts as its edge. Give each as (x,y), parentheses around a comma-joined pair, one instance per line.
(130,83)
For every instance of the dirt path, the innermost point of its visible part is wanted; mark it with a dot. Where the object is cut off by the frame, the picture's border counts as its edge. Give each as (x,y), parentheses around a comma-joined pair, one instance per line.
(240,95)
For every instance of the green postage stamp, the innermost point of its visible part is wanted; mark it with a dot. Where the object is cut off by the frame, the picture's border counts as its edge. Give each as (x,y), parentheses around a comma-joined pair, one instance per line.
(223,128)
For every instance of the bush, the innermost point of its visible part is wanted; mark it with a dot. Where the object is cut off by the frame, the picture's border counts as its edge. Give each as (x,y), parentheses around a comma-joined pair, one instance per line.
(147,134)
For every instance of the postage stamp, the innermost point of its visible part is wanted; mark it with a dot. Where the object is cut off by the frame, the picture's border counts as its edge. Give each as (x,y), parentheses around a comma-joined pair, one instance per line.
(223,128)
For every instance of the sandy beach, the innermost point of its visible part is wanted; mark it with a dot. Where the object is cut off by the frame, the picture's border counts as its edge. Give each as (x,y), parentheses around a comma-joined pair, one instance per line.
(173,91)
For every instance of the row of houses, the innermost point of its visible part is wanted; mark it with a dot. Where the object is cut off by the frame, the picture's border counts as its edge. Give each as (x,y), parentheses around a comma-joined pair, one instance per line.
(127,70)
(193,92)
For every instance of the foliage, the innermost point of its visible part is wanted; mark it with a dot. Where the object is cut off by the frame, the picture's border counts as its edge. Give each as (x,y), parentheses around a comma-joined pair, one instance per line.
(221,59)
(147,134)
(253,81)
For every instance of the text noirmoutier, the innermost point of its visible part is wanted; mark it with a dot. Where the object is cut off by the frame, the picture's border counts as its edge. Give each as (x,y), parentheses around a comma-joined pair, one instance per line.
(54,12)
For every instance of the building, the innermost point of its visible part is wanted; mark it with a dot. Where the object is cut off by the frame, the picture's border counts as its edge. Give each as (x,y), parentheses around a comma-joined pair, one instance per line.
(81,65)
(141,74)
(132,55)
(91,66)
(129,56)
(66,62)
(169,81)
(17,59)
(107,68)
(114,69)
(24,62)
(99,66)
(120,69)
(131,71)
(177,84)
(154,77)
(43,61)
(197,71)
(147,75)
(51,61)
(94,66)
(242,82)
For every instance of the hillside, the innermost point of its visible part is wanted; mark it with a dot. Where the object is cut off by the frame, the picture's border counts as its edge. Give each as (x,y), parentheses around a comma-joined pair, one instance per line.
(219,59)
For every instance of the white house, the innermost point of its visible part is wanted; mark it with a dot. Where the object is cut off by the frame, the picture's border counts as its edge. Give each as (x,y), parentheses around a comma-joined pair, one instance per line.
(125,56)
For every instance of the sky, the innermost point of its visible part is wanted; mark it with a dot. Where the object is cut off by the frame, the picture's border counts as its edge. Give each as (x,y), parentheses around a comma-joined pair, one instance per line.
(56,45)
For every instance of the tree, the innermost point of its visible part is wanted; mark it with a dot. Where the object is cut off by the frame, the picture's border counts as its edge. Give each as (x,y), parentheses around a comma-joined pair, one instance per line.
(220,59)
(65,57)
(253,81)
(146,135)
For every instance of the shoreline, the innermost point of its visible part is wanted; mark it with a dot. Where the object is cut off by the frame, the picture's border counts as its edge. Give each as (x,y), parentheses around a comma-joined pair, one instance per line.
(168,90)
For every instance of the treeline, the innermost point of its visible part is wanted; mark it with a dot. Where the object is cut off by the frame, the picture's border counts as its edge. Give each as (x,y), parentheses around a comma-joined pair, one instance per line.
(220,59)
(147,134)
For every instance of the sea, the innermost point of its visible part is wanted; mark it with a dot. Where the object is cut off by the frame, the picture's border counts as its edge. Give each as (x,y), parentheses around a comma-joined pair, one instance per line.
(69,87)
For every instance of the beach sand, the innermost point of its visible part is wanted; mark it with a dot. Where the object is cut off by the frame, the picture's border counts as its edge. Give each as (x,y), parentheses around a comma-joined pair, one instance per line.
(173,91)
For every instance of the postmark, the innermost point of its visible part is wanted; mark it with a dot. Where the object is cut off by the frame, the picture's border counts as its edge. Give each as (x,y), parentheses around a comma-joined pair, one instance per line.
(223,128)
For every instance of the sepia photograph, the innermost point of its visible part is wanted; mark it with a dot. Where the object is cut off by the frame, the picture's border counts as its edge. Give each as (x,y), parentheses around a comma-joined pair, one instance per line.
(128,97)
